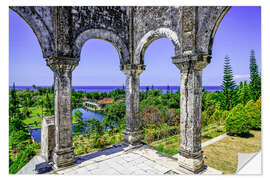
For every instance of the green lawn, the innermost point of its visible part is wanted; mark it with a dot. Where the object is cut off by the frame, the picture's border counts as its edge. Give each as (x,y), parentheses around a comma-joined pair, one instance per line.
(35,117)
(221,155)
(171,144)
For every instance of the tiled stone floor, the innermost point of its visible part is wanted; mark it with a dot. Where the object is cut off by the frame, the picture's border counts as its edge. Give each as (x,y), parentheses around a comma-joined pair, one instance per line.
(121,160)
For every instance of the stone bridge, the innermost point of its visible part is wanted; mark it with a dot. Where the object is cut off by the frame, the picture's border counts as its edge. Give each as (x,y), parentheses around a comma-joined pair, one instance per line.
(89,103)
(62,31)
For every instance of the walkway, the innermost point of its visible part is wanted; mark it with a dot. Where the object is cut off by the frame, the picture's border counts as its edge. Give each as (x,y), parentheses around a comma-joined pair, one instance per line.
(126,160)
(211,141)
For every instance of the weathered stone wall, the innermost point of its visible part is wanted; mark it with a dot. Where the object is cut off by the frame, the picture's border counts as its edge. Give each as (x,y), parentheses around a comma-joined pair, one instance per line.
(209,18)
(108,23)
(61,31)
(149,20)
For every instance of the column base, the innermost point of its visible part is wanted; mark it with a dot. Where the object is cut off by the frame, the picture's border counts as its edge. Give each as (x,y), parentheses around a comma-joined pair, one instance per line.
(132,138)
(63,157)
(191,162)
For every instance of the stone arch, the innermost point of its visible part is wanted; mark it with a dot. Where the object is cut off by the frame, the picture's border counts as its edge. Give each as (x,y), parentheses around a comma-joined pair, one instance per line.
(149,37)
(214,30)
(208,29)
(103,35)
(41,30)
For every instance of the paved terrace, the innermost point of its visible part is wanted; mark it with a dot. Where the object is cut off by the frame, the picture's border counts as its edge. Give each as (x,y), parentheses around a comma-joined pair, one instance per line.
(120,160)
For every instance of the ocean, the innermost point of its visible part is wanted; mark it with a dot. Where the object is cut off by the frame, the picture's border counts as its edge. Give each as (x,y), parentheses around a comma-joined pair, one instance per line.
(110,88)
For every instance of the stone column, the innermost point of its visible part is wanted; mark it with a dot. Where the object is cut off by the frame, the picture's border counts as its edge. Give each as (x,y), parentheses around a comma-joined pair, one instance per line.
(62,67)
(190,152)
(132,71)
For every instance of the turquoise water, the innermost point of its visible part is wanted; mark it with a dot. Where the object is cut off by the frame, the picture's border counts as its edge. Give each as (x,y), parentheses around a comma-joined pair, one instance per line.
(36,133)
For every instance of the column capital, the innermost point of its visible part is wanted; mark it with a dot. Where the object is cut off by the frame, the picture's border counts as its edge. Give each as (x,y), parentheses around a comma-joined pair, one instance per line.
(62,64)
(132,68)
(195,62)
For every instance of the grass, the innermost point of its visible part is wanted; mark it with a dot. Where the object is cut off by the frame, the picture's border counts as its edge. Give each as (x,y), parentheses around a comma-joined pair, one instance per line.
(213,132)
(171,144)
(223,154)
(35,117)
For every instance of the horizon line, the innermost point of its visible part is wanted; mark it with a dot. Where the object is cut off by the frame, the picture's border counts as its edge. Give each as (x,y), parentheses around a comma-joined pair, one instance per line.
(99,85)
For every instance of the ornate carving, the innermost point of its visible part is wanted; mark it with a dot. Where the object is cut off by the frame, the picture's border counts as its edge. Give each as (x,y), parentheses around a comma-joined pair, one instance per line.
(61,64)
(132,68)
(188,154)
(110,18)
(63,31)
(188,18)
(195,62)
(188,30)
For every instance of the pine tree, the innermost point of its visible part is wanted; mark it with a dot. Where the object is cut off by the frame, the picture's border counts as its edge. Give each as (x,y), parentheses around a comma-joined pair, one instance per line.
(228,84)
(243,93)
(255,79)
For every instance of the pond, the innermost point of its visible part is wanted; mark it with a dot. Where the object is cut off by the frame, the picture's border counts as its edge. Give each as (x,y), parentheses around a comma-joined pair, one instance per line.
(36,133)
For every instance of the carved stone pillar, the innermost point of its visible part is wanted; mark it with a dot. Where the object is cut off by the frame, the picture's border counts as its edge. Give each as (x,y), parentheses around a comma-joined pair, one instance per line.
(132,71)
(62,67)
(190,153)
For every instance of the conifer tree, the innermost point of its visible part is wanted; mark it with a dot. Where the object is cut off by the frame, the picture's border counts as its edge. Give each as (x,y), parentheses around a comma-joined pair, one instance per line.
(255,79)
(228,84)
(243,93)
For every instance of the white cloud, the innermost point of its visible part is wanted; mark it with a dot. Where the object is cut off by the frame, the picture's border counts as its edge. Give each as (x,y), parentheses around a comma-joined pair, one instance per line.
(241,76)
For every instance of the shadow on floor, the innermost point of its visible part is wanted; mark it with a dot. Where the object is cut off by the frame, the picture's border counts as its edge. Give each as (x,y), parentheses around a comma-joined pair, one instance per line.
(108,151)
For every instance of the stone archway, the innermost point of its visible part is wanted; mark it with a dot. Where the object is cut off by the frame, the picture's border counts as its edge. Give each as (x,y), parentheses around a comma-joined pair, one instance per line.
(62,31)
(209,24)
(42,28)
(149,37)
(103,35)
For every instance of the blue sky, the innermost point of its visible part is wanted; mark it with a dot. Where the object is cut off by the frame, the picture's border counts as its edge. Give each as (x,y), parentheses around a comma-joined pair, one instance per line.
(238,33)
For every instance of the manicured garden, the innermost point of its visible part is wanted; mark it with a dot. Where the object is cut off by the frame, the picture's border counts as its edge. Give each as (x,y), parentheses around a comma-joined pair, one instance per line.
(235,110)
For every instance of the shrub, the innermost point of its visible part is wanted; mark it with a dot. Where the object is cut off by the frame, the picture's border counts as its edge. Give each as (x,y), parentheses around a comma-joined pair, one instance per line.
(79,150)
(172,117)
(112,140)
(216,117)
(236,122)
(101,142)
(22,158)
(151,115)
(224,116)
(149,136)
(29,141)
(253,114)
(86,150)
(205,119)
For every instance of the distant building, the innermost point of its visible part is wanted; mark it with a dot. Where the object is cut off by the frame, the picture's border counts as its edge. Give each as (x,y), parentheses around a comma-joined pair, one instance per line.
(105,101)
